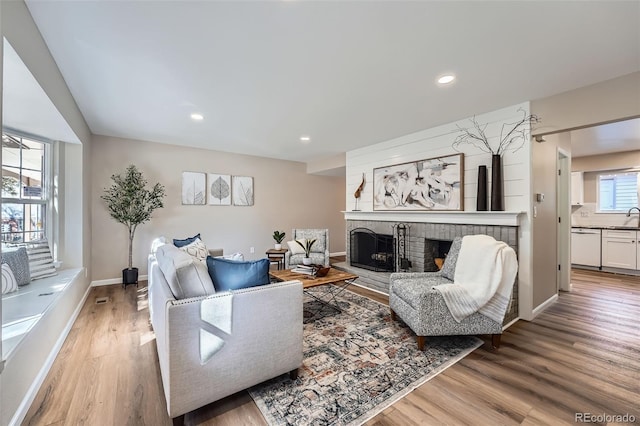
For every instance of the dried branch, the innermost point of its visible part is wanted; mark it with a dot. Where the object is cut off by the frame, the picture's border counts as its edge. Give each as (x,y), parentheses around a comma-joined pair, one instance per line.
(510,135)
(477,137)
(517,131)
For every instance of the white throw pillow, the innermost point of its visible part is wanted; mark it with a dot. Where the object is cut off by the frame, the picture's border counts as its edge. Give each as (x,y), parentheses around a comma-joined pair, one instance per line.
(236,257)
(196,249)
(157,242)
(9,283)
(295,248)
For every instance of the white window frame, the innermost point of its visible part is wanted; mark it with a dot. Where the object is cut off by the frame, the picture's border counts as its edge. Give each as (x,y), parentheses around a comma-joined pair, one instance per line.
(599,176)
(47,176)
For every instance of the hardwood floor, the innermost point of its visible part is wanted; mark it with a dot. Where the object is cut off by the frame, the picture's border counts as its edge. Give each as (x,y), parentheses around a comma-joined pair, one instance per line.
(581,355)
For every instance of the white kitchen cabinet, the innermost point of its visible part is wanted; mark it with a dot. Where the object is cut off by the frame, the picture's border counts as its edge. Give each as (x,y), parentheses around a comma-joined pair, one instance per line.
(620,249)
(577,188)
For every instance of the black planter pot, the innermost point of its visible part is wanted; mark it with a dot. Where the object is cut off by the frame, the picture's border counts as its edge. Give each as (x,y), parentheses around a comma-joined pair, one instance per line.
(129,276)
(497,198)
(481,197)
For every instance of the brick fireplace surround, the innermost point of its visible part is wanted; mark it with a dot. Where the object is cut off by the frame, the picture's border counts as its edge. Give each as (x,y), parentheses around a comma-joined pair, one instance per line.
(418,251)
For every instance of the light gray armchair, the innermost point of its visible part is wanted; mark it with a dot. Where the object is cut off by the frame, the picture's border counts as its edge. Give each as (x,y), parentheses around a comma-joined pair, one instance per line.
(413,299)
(319,252)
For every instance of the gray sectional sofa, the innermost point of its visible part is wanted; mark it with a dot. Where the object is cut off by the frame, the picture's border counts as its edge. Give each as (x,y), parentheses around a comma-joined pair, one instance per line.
(211,345)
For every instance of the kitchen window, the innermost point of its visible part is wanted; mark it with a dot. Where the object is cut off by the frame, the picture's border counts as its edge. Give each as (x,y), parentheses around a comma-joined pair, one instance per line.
(24,198)
(617,192)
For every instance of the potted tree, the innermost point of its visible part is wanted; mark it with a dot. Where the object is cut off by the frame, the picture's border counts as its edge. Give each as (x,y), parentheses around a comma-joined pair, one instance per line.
(307,250)
(131,203)
(278,237)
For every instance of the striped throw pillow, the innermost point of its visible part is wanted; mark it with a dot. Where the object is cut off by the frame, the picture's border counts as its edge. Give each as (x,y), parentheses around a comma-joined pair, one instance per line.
(9,283)
(40,260)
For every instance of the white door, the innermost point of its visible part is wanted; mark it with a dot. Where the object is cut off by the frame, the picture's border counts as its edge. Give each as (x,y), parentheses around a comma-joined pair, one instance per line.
(563,207)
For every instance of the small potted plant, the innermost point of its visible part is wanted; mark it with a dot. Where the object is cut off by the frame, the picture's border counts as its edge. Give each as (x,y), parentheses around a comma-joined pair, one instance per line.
(307,250)
(278,237)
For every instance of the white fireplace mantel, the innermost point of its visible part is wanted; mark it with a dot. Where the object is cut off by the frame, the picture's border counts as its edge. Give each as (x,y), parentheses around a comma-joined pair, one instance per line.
(511,218)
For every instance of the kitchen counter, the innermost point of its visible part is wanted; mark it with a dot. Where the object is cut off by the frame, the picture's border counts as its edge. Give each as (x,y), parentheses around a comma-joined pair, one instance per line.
(621,228)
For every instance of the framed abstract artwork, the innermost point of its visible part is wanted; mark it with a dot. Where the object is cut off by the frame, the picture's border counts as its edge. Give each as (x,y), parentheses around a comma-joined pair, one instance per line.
(219,189)
(431,184)
(242,190)
(193,188)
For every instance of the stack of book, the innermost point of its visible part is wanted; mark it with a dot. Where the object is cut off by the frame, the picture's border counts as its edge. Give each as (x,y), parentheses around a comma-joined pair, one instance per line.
(304,269)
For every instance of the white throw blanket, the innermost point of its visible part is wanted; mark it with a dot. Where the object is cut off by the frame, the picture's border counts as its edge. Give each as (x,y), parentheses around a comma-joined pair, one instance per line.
(483,279)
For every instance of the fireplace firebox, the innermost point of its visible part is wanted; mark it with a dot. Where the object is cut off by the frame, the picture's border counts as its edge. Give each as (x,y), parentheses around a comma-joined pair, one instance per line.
(435,249)
(372,251)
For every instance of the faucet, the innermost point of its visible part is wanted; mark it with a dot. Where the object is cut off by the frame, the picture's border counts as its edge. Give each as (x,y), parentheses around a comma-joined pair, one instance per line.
(629,214)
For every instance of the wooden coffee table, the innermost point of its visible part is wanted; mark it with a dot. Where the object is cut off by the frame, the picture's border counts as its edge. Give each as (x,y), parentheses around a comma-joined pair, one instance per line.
(335,283)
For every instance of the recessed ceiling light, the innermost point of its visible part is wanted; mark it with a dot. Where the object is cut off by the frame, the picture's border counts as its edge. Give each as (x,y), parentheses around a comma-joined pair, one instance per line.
(446,79)
(197,117)
(305,139)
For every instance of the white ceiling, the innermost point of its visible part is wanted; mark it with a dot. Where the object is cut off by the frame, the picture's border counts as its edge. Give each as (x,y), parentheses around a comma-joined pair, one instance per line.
(607,138)
(348,74)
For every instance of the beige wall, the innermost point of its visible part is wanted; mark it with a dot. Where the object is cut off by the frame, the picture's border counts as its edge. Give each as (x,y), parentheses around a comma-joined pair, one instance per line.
(286,197)
(545,222)
(607,101)
(603,102)
(593,164)
(331,166)
(614,161)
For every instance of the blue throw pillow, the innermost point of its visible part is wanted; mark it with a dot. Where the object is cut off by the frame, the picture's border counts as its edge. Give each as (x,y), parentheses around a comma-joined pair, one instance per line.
(210,267)
(232,275)
(186,241)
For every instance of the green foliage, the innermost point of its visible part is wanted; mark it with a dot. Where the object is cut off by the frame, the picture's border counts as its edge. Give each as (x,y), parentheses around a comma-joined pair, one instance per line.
(10,185)
(130,202)
(307,246)
(278,236)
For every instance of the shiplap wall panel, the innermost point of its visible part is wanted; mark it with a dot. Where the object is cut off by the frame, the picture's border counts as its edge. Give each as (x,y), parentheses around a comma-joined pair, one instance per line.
(437,142)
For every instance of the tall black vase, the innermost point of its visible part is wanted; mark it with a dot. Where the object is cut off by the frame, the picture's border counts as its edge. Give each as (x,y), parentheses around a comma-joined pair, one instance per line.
(497,184)
(481,197)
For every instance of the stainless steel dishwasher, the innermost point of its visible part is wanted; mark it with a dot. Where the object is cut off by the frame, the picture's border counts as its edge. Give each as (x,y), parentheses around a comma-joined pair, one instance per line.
(586,247)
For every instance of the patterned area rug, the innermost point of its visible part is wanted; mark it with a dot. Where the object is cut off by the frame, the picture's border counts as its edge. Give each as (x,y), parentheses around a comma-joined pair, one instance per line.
(356,363)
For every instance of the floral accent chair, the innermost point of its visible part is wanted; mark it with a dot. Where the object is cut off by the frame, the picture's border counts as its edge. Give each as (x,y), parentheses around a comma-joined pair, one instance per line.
(319,252)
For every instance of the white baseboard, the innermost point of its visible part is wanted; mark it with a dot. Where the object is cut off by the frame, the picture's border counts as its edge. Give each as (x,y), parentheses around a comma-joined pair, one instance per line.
(112,281)
(504,327)
(544,305)
(338,253)
(29,397)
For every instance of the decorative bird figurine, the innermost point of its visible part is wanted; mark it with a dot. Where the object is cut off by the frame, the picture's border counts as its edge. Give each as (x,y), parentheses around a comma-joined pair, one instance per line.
(360,188)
